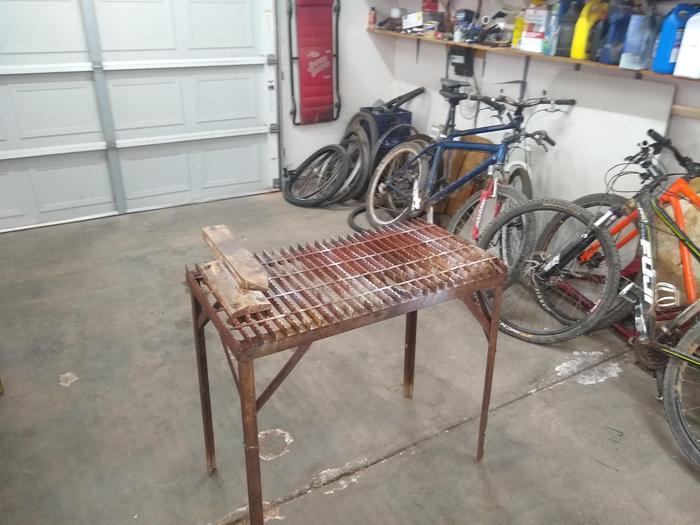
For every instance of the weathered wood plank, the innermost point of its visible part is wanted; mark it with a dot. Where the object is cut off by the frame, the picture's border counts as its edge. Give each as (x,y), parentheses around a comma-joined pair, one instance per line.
(235,300)
(249,273)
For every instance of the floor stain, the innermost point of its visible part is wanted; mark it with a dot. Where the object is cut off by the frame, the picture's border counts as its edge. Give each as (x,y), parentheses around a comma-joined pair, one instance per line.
(274,442)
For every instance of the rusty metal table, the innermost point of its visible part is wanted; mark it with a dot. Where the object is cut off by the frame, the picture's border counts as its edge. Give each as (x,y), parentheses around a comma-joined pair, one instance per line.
(329,287)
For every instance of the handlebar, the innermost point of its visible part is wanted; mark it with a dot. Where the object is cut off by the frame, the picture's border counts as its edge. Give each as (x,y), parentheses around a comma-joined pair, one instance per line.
(489,101)
(686,162)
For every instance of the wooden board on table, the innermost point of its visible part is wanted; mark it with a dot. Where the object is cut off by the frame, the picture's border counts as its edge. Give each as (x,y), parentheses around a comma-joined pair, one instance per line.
(249,273)
(235,300)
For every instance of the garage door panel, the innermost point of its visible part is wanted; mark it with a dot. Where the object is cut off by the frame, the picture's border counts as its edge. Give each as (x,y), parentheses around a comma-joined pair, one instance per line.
(136,25)
(153,171)
(41,31)
(187,99)
(12,195)
(220,24)
(226,97)
(67,185)
(39,111)
(230,163)
(55,108)
(149,102)
(54,188)
(190,100)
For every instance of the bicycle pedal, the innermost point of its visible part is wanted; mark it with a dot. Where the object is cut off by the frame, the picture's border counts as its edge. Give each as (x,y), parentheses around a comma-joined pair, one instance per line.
(667,296)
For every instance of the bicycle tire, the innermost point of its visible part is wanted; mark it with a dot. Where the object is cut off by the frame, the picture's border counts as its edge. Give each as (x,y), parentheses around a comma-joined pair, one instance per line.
(676,369)
(360,184)
(370,127)
(421,139)
(608,293)
(464,213)
(357,163)
(315,198)
(622,307)
(352,216)
(519,174)
(374,154)
(403,197)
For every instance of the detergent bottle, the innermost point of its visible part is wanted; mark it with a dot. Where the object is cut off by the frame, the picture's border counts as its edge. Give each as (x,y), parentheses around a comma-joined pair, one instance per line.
(588,26)
(567,24)
(639,43)
(669,41)
(688,64)
(535,27)
(610,49)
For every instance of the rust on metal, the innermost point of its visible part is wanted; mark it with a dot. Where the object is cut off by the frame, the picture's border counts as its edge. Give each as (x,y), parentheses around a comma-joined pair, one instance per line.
(328,287)
(331,283)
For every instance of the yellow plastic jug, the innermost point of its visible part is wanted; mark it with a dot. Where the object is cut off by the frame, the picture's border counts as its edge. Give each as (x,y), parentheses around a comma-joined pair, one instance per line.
(593,12)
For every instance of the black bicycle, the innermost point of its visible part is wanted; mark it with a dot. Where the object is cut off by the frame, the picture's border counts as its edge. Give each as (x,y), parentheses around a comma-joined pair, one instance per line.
(564,272)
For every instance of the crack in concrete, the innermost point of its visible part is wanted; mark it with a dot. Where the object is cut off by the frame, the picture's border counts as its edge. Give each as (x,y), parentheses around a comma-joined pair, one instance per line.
(331,475)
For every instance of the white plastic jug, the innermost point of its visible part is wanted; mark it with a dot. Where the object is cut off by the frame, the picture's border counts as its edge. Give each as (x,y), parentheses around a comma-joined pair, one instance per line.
(688,64)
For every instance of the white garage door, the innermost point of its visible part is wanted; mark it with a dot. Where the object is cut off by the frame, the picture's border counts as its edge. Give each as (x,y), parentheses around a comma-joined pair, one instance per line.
(109,106)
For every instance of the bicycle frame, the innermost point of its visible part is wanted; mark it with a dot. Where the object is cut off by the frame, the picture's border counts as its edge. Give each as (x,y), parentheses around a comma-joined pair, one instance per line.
(669,197)
(498,156)
(646,207)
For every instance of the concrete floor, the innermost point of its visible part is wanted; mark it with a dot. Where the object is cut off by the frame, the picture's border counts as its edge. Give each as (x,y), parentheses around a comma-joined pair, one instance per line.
(105,300)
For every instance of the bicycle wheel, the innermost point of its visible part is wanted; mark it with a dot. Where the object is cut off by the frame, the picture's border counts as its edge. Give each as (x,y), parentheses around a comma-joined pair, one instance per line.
(626,238)
(576,295)
(471,219)
(368,123)
(682,397)
(398,175)
(353,147)
(318,178)
(519,178)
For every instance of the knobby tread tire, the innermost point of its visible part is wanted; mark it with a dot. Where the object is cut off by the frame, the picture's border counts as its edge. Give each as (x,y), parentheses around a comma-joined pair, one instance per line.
(690,344)
(609,294)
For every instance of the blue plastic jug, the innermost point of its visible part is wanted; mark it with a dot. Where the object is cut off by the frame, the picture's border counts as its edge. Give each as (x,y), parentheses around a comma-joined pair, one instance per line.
(669,41)
(618,21)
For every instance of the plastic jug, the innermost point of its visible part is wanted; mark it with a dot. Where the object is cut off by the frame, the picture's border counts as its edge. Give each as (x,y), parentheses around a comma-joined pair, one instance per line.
(567,24)
(550,40)
(593,13)
(669,41)
(611,46)
(639,43)
(688,64)
(535,28)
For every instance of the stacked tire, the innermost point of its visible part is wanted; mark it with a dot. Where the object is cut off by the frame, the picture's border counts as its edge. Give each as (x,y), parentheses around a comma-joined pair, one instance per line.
(341,172)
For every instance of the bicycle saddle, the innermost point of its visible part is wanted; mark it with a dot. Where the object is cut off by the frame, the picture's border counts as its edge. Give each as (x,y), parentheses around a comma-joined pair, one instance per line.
(449,84)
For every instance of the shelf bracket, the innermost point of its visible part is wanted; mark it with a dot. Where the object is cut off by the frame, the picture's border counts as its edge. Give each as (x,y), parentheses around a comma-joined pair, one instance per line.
(526,70)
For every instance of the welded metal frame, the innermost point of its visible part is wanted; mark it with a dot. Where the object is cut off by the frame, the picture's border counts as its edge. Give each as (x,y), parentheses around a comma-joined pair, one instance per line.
(241,358)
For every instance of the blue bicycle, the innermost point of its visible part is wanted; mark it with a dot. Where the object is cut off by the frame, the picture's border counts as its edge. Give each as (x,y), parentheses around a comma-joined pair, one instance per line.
(409,180)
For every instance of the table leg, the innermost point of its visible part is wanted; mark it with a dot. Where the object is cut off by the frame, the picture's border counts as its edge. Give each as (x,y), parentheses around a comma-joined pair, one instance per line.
(203,373)
(409,358)
(490,362)
(249,414)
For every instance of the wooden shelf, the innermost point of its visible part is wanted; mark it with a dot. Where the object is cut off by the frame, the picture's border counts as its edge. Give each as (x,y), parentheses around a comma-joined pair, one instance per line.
(482,49)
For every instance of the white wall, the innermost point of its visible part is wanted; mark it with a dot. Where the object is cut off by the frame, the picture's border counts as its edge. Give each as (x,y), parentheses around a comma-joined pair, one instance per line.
(366,74)
(432,109)
(375,66)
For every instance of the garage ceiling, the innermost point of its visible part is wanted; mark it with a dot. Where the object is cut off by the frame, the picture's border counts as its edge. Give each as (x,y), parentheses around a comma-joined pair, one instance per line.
(108,106)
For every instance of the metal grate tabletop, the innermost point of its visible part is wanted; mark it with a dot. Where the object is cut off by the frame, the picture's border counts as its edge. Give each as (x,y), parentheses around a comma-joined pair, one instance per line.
(327,287)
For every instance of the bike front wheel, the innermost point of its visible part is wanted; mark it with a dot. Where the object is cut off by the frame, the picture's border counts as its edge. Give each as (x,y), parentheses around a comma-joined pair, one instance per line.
(474,216)
(396,179)
(551,297)
(682,397)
